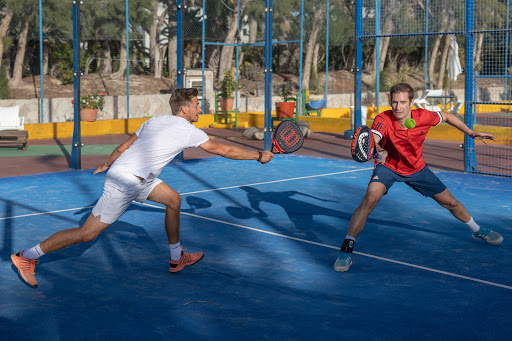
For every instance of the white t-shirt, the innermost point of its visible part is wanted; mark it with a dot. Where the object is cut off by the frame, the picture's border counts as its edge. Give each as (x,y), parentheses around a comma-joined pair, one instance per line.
(158,141)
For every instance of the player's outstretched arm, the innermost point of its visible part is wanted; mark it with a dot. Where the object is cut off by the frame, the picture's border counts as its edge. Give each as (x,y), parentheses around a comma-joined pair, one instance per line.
(457,123)
(235,153)
(116,153)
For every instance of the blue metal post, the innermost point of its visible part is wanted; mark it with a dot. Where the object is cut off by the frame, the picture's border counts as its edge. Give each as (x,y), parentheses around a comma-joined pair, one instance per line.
(202,52)
(470,164)
(299,103)
(506,49)
(359,64)
(127,23)
(76,162)
(377,47)
(425,83)
(179,50)
(41,57)
(327,54)
(268,74)
(237,42)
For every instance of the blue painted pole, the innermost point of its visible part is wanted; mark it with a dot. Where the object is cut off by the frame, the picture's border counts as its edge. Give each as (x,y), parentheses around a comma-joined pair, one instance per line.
(377,55)
(470,164)
(425,83)
(359,64)
(202,52)
(506,50)
(268,74)
(41,57)
(127,23)
(327,53)
(237,41)
(179,50)
(76,162)
(299,103)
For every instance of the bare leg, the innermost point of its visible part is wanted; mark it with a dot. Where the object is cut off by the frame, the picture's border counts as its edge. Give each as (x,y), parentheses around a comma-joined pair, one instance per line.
(446,199)
(372,197)
(88,232)
(164,194)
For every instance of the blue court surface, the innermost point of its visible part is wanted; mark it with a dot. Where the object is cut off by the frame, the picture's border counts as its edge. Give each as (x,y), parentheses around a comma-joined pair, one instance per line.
(270,234)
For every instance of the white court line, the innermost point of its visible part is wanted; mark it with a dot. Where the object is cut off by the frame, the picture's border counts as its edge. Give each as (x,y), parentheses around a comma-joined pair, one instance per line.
(274,181)
(203,191)
(43,213)
(337,247)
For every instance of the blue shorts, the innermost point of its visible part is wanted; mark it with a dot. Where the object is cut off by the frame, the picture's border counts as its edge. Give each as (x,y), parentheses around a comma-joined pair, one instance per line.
(423,181)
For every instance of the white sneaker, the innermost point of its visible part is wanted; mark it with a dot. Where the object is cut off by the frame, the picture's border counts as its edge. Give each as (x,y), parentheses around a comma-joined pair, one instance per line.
(343,261)
(488,235)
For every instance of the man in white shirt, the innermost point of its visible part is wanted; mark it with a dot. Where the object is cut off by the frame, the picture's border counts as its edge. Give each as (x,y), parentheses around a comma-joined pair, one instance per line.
(133,175)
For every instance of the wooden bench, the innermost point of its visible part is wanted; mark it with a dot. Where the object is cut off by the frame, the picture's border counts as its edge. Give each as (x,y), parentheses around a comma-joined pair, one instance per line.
(9,136)
(12,127)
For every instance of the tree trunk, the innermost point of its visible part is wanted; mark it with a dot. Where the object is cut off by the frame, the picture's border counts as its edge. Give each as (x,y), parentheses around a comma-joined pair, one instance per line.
(120,74)
(226,54)
(444,56)
(17,73)
(442,66)
(172,46)
(253,31)
(46,58)
(154,53)
(6,21)
(319,14)
(433,58)
(478,51)
(284,52)
(107,58)
(315,59)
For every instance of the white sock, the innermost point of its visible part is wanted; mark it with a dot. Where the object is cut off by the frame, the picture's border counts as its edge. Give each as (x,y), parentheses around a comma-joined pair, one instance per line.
(472,225)
(349,237)
(33,253)
(175,251)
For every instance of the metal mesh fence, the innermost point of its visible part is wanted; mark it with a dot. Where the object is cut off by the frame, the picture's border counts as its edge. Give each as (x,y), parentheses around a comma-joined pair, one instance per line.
(415,41)
(131,51)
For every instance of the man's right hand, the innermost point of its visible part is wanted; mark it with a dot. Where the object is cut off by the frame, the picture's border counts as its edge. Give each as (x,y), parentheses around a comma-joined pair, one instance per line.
(383,156)
(266,157)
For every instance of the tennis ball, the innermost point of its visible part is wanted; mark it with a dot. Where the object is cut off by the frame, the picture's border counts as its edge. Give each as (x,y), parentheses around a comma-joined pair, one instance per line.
(410,123)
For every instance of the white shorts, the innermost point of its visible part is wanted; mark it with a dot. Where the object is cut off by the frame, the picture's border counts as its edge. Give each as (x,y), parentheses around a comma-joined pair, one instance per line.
(119,191)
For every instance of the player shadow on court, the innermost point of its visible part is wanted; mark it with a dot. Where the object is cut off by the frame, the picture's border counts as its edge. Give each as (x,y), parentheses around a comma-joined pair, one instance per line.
(301,213)
(120,231)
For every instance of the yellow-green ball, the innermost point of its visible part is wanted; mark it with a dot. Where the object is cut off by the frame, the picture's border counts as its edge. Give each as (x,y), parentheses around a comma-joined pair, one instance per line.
(410,123)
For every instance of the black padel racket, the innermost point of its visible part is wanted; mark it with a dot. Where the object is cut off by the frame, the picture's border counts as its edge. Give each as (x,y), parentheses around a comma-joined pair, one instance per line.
(363,145)
(287,138)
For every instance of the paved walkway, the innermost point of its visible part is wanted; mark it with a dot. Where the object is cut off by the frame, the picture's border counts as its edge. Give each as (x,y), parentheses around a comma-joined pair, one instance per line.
(45,156)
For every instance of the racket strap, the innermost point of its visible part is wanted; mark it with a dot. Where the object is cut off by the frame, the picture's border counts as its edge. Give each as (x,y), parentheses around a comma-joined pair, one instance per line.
(348,245)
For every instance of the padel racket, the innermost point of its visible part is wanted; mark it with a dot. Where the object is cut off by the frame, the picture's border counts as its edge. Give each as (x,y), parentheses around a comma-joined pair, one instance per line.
(287,138)
(363,145)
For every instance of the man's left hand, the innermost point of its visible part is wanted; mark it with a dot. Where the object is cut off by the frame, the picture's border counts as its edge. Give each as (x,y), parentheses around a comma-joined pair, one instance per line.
(100,169)
(482,136)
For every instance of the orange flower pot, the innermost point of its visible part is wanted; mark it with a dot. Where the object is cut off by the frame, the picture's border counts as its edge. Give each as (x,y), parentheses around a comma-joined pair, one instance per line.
(88,115)
(226,103)
(285,109)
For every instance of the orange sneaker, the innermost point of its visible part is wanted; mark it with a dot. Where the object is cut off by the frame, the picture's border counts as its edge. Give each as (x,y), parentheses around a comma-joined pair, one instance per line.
(186,259)
(25,268)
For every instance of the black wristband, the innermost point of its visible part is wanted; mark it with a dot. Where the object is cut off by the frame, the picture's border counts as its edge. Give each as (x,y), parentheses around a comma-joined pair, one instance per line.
(261,155)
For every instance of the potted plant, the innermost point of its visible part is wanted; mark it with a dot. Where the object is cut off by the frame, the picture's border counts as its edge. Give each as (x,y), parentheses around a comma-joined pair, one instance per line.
(89,105)
(285,108)
(227,88)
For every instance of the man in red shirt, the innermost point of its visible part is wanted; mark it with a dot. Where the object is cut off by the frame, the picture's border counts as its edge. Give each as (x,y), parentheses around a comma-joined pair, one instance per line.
(401,159)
